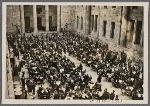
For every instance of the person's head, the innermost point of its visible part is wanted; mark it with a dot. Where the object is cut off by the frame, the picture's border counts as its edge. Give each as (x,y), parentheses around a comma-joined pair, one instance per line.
(105,90)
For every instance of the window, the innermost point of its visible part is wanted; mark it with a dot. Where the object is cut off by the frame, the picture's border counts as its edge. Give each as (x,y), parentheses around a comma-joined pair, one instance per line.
(27,23)
(77,22)
(105,6)
(134,7)
(113,6)
(50,21)
(81,22)
(104,27)
(92,20)
(96,17)
(112,29)
(138,32)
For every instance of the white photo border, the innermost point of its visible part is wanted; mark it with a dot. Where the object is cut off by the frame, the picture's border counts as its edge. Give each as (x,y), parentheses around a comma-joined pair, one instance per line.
(145,57)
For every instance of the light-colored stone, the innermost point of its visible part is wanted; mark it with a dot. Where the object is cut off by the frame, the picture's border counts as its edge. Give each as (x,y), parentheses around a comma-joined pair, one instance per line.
(35,18)
(47,17)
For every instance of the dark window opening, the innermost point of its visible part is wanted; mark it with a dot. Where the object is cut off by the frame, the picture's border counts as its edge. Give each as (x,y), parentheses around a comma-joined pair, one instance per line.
(39,24)
(27,24)
(51,26)
(96,17)
(112,29)
(50,21)
(138,32)
(81,22)
(104,27)
(92,20)
(105,6)
(134,7)
(113,6)
(77,22)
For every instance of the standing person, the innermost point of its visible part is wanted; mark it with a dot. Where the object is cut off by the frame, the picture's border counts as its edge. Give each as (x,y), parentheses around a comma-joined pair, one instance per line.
(12,61)
(23,81)
(26,94)
(17,28)
(112,95)
(33,87)
(17,53)
(99,78)
(81,67)
(66,27)
(116,97)
(23,74)
(105,95)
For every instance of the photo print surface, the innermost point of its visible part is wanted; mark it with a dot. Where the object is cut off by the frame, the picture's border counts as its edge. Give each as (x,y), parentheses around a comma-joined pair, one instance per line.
(75,53)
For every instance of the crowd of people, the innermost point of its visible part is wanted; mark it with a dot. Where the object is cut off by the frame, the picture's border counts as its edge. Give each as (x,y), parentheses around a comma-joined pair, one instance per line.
(43,58)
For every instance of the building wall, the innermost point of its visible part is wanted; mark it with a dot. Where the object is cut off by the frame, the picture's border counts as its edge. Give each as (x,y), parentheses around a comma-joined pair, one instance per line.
(111,14)
(136,15)
(80,12)
(95,10)
(68,16)
(13,17)
(108,14)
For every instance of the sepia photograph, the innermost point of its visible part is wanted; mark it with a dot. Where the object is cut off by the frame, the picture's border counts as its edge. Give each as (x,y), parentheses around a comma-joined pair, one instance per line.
(75,53)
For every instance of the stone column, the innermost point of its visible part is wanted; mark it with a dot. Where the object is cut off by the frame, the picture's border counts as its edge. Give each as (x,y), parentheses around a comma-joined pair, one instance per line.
(87,18)
(98,22)
(142,35)
(94,24)
(123,37)
(101,27)
(58,18)
(134,33)
(47,17)
(129,31)
(108,29)
(22,19)
(35,19)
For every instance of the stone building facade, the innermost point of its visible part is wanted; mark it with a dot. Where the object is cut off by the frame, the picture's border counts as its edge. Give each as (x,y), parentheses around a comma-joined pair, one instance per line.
(120,27)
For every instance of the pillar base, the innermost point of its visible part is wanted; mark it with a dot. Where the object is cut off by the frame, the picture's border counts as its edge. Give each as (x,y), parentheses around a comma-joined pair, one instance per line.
(123,43)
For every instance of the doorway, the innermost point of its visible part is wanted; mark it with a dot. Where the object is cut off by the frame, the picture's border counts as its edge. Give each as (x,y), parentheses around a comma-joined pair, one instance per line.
(27,24)
(112,29)
(92,20)
(96,19)
(104,27)
(39,23)
(138,32)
